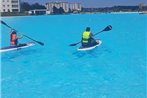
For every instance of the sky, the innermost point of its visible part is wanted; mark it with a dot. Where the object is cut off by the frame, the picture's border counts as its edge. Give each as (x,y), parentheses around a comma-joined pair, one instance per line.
(95,3)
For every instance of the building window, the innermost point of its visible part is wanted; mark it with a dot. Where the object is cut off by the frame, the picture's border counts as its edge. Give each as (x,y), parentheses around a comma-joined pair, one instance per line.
(8,10)
(7,0)
(3,5)
(14,10)
(3,0)
(3,10)
(14,1)
(8,5)
(14,5)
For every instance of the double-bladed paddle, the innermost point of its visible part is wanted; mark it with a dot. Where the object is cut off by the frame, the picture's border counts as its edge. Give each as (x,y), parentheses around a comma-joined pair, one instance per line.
(22,34)
(108,28)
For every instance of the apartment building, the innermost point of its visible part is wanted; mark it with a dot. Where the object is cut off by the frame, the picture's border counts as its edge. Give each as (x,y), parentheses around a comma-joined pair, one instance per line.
(9,5)
(65,5)
(75,6)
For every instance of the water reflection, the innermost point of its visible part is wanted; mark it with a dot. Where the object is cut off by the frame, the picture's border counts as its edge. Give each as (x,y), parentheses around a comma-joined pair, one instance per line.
(11,56)
(92,53)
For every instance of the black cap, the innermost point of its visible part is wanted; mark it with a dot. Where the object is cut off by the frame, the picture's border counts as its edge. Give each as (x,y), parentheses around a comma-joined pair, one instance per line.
(13,32)
(88,29)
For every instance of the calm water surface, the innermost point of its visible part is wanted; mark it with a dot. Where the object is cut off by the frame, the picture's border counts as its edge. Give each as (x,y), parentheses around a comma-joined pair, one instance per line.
(116,69)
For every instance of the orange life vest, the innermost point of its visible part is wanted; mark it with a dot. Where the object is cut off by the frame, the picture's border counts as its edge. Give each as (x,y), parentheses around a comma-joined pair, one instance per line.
(13,38)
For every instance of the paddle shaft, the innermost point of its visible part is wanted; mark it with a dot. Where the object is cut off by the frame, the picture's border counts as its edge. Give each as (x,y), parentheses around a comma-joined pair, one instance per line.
(28,37)
(97,33)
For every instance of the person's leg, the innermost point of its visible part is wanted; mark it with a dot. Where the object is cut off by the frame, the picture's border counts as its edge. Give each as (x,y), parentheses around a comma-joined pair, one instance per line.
(84,44)
(16,42)
(93,42)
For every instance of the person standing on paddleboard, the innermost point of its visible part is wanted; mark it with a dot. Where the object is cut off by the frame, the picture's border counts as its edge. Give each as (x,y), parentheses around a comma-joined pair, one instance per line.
(87,39)
(14,38)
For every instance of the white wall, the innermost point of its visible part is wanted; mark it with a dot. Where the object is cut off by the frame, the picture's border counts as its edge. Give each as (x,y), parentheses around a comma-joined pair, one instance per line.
(9,5)
(64,5)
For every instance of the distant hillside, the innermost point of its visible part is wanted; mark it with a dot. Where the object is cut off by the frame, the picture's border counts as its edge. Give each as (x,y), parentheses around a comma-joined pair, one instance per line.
(115,9)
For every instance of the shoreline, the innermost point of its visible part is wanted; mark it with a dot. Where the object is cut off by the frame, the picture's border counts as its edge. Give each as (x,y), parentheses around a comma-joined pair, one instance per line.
(78,14)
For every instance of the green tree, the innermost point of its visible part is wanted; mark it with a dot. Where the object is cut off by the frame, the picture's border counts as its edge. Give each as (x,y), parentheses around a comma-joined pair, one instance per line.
(25,6)
(61,10)
(58,10)
(55,10)
(37,6)
(70,11)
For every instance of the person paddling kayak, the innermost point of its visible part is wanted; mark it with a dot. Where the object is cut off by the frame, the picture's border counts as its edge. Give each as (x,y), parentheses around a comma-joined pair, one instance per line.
(87,39)
(14,38)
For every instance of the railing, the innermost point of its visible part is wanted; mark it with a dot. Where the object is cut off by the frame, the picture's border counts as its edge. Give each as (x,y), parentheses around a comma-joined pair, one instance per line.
(15,1)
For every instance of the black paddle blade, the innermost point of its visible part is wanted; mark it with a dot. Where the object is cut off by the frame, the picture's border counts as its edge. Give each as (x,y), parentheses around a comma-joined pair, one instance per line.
(2,22)
(72,44)
(109,27)
(40,43)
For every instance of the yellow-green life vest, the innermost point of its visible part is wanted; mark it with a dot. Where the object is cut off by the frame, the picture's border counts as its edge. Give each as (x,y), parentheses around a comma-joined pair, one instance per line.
(85,37)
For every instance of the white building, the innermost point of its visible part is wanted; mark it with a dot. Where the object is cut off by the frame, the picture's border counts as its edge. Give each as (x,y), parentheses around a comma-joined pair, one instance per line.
(9,5)
(65,5)
(75,6)
(37,12)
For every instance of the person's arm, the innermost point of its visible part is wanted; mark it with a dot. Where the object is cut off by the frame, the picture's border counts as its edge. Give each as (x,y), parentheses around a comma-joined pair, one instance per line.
(19,37)
(10,32)
(91,34)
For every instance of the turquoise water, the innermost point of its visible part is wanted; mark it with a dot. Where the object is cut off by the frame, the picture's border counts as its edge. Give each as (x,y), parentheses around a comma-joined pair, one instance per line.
(116,69)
